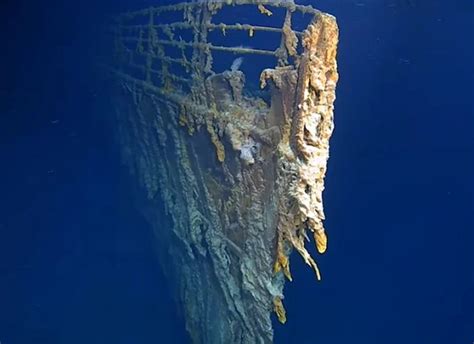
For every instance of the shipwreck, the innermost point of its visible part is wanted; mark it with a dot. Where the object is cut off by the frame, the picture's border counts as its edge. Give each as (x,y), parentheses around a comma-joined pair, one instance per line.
(237,158)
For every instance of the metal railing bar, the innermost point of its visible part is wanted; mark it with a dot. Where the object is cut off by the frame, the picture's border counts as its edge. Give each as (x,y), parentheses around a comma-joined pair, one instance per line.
(180,44)
(211,26)
(182,6)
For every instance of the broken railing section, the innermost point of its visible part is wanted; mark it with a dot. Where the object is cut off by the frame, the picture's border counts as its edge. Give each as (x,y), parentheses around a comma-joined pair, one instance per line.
(303,86)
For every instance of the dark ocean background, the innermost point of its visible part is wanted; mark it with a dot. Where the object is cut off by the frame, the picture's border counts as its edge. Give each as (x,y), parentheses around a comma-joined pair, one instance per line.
(77,263)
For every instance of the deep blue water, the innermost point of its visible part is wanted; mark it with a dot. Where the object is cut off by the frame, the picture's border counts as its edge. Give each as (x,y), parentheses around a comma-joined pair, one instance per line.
(77,263)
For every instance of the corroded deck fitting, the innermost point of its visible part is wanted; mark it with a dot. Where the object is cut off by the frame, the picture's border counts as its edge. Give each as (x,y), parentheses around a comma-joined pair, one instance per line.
(241,176)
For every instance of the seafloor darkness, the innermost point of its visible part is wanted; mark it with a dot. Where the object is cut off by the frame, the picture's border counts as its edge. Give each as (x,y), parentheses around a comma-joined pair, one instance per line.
(77,262)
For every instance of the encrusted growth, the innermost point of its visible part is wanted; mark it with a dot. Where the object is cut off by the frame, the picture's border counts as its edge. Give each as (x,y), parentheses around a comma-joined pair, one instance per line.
(239,170)
(279,309)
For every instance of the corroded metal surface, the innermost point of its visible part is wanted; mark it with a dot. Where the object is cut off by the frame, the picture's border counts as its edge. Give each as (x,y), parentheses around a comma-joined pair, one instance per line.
(241,176)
